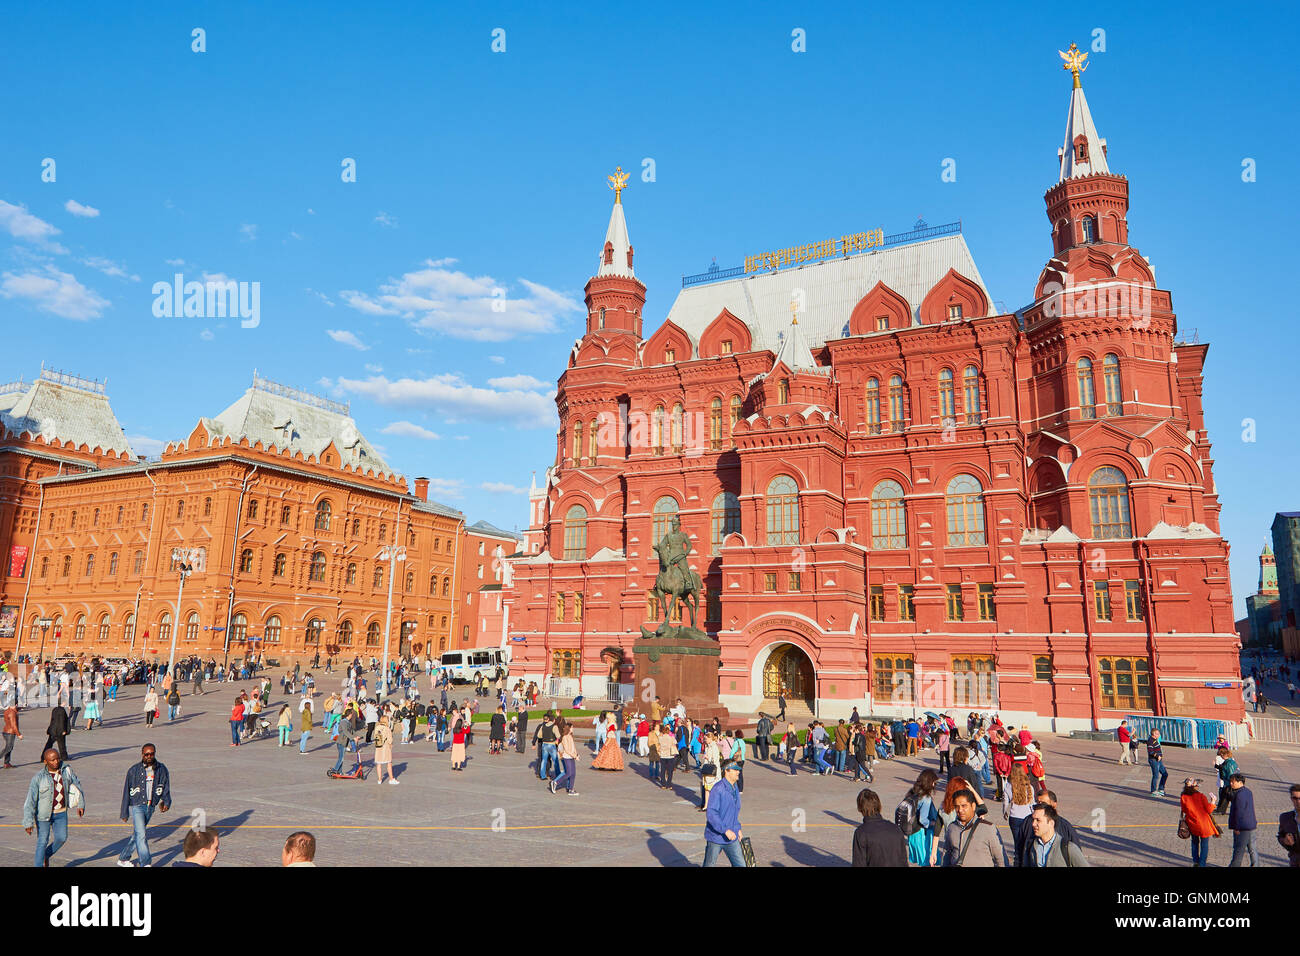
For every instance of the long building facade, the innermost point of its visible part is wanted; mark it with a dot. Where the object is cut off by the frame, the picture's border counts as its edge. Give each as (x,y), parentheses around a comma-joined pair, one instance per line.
(898,498)
(289,519)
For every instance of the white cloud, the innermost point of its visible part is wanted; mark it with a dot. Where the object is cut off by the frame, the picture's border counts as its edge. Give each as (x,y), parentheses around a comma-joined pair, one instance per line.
(58,293)
(323,297)
(206,335)
(143,445)
(446,487)
(77,209)
(436,299)
(501,488)
(344,337)
(452,398)
(384,219)
(498,359)
(109,268)
(409,430)
(249,230)
(374,369)
(311,212)
(517,382)
(21,224)
(294,235)
(174,262)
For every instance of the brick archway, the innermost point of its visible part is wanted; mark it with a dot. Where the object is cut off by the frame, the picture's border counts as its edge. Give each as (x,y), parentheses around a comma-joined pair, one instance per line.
(785,664)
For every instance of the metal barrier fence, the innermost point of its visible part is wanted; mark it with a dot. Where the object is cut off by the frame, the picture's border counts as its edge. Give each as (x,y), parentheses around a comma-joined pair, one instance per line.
(1274,730)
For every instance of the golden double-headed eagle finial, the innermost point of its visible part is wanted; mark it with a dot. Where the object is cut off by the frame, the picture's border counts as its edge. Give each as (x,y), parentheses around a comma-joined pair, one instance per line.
(618,182)
(1074,62)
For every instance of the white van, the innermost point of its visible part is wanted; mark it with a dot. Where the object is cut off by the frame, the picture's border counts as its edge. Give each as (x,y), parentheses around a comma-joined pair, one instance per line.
(472,662)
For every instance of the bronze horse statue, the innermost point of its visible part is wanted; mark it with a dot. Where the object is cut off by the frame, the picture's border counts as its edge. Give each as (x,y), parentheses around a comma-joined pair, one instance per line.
(678,583)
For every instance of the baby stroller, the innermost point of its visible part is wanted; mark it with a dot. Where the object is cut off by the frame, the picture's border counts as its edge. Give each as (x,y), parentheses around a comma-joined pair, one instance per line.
(260,728)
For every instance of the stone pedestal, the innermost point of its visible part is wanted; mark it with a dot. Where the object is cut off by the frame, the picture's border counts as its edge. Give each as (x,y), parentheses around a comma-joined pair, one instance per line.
(679,665)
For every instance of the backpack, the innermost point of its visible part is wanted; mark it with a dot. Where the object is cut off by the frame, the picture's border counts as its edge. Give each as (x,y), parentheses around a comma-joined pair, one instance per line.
(1002,763)
(906,817)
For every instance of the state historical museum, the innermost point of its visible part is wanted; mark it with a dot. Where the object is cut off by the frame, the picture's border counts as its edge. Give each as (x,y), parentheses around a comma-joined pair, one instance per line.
(896,498)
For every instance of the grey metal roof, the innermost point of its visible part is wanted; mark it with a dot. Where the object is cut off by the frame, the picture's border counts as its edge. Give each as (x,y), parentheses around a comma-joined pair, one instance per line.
(433,507)
(484,527)
(63,408)
(298,421)
(827,290)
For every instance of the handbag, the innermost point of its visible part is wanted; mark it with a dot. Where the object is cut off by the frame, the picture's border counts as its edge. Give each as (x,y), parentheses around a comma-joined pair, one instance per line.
(709,770)
(76,799)
(1184,831)
(747,852)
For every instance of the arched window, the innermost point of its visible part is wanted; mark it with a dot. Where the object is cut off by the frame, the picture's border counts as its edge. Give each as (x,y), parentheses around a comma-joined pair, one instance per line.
(664,511)
(280,562)
(947,409)
(323,511)
(602,317)
(715,425)
(1089,229)
(896,409)
(1110,379)
(577,444)
(90,565)
(165,628)
(888,517)
(192,627)
(352,573)
(144,512)
(239,627)
(104,627)
(970,387)
(80,633)
(383,533)
(433,587)
(372,634)
(271,633)
(67,565)
(345,633)
(45,566)
(735,412)
(410,581)
(1087,397)
(246,561)
(575,534)
(318,566)
(1108,497)
(94,518)
(965,502)
(678,417)
(180,510)
(128,629)
(724,518)
(871,409)
(783,391)
(252,509)
(137,563)
(379,576)
(444,622)
(120,512)
(286,515)
(207,508)
(72,521)
(112,565)
(356,526)
(446,581)
(782,511)
(315,628)
(657,439)
(592,447)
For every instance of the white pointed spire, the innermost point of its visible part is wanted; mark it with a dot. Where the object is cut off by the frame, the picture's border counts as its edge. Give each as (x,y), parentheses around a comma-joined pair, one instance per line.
(794,352)
(616,241)
(1079,128)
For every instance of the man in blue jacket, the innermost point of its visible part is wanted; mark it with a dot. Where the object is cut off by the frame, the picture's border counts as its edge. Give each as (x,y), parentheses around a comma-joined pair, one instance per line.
(722,821)
(147,786)
(1242,823)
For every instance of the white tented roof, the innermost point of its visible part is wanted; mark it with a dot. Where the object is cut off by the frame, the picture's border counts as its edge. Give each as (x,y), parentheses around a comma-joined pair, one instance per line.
(830,290)
(298,421)
(1079,123)
(616,236)
(64,408)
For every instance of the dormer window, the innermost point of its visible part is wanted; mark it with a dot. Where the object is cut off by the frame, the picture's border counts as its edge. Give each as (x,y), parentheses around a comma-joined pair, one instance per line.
(1089,229)
(670,356)
(726,346)
(882,323)
(783,391)
(609,254)
(954,313)
(1080,150)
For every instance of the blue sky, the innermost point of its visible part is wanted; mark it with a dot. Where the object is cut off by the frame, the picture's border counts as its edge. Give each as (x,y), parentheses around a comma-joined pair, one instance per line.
(479,171)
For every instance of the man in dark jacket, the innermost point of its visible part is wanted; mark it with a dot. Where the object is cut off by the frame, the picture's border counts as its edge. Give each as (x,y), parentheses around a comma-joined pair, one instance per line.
(521,729)
(1242,822)
(58,731)
(1288,832)
(877,841)
(763,737)
(1062,826)
(147,786)
(962,768)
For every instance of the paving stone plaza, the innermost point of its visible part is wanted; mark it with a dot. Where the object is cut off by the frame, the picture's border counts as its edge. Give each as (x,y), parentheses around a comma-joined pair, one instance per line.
(498,812)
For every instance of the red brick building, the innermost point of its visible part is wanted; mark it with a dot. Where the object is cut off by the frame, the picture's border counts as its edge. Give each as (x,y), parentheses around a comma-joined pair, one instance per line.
(283,504)
(484,568)
(898,498)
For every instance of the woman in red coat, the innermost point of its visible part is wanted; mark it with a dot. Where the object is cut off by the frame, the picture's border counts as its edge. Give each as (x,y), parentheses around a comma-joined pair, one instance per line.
(1196,810)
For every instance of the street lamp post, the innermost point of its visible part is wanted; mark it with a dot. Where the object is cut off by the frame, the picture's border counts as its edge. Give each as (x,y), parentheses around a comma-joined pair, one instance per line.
(44,624)
(393,554)
(187,560)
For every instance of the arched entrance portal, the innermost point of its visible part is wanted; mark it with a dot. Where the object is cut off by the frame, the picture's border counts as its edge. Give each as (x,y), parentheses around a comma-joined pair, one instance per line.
(788,667)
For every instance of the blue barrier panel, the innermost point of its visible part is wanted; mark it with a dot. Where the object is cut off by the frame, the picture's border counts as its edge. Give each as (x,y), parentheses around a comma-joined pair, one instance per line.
(1173,730)
(1208,731)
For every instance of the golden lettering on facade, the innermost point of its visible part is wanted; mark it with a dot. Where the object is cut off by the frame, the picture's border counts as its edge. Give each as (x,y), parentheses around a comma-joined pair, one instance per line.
(815,251)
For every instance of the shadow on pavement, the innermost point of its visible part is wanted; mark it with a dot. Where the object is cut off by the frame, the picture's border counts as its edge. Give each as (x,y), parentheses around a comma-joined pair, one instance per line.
(664,851)
(172,830)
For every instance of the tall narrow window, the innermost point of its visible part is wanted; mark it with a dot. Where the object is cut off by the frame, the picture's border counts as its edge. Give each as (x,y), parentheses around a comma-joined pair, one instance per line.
(906,609)
(112,565)
(783,391)
(559,606)
(80,633)
(252,510)
(246,561)
(715,425)
(318,566)
(372,634)
(988,611)
(877,604)
(323,512)
(344,633)
(678,428)
(1110,379)
(1133,603)
(352,573)
(575,534)
(577,444)
(965,505)
(378,579)
(947,409)
(782,511)
(137,563)
(602,317)
(192,627)
(896,403)
(577,606)
(1108,498)
(888,517)
(180,511)
(664,511)
(970,387)
(1089,229)
(90,565)
(735,413)
(128,629)
(724,519)
(165,628)
(953,604)
(1101,599)
(657,439)
(207,508)
(871,408)
(592,448)
(280,561)
(1087,396)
